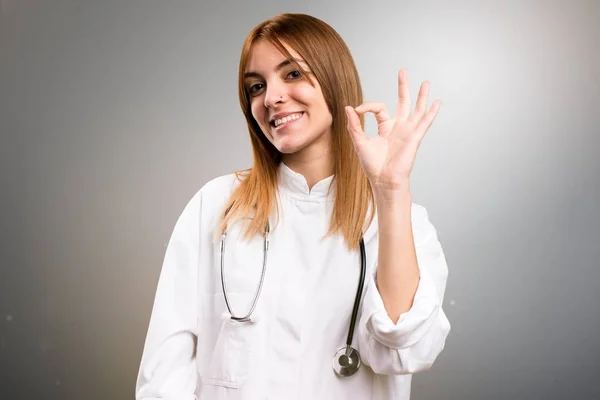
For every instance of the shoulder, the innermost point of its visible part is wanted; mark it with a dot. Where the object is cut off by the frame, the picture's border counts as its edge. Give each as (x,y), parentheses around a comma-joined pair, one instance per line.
(221,185)
(213,195)
(210,199)
(200,211)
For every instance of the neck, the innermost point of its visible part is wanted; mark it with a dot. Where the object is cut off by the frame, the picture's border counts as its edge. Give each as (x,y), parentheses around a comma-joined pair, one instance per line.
(314,168)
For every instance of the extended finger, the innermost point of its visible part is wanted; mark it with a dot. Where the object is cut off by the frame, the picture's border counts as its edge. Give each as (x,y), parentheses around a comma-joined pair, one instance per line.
(403,107)
(427,120)
(379,109)
(421,106)
(354,125)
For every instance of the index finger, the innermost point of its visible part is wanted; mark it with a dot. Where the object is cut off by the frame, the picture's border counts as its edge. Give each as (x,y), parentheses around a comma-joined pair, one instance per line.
(379,109)
(403,107)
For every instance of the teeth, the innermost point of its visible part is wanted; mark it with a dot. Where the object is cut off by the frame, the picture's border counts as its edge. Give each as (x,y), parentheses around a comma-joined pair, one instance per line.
(289,118)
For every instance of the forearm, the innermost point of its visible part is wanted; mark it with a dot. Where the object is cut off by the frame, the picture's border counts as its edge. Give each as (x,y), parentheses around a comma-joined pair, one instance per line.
(397,269)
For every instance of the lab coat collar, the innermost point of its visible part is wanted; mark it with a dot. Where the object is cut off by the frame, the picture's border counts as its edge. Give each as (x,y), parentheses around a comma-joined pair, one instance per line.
(294,184)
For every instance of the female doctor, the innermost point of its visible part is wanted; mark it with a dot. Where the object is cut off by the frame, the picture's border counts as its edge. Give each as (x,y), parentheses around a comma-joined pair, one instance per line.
(311,275)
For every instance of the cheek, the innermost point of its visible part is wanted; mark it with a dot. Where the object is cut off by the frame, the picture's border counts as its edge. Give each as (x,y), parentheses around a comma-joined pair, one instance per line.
(306,94)
(321,112)
(258,112)
(313,97)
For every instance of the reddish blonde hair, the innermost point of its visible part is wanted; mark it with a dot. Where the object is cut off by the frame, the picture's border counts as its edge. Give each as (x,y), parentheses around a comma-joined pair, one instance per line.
(331,63)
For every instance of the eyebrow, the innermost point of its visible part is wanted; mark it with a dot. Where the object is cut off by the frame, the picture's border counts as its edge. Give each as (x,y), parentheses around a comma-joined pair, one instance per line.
(281,65)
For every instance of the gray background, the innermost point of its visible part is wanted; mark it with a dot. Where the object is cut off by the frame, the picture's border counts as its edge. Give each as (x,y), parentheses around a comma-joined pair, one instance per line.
(114,113)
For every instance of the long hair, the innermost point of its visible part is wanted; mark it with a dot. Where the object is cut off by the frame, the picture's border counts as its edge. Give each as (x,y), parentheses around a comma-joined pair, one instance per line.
(331,63)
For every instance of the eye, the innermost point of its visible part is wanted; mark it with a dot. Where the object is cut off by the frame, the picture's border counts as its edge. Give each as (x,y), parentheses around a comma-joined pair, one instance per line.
(254,89)
(295,74)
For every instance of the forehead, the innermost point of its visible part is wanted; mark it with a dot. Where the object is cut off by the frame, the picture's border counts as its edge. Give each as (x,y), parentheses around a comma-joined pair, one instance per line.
(264,56)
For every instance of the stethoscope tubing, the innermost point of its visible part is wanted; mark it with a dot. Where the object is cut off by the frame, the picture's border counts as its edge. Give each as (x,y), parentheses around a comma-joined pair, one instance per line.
(245,318)
(359,290)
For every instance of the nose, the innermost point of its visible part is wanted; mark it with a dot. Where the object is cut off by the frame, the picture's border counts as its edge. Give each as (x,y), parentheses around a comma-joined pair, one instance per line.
(275,93)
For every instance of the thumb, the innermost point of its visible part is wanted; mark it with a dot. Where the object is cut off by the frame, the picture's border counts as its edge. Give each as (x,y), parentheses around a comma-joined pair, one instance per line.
(353,125)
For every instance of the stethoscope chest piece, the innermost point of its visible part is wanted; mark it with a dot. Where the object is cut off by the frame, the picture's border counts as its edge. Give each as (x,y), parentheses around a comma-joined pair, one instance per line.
(346,361)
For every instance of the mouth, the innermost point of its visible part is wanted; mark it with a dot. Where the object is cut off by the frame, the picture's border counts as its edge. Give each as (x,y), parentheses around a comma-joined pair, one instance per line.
(282,123)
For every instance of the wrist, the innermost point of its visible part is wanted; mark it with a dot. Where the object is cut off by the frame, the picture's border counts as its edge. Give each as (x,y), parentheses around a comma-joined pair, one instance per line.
(388,196)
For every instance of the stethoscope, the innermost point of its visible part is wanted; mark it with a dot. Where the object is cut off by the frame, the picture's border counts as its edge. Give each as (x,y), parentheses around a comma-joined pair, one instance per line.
(346,360)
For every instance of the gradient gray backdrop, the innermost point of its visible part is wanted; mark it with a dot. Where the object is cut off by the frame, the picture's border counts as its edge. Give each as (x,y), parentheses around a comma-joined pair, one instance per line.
(114,113)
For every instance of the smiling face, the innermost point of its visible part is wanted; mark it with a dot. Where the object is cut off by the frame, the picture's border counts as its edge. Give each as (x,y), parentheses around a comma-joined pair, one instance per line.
(291,113)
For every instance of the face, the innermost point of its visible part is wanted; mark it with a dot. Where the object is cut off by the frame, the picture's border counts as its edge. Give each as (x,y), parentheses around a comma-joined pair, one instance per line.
(292,114)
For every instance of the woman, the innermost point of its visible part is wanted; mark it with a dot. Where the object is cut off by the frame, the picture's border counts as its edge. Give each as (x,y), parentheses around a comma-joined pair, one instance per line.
(319,190)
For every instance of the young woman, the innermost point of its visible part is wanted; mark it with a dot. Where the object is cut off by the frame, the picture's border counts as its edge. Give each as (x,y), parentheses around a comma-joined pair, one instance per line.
(311,275)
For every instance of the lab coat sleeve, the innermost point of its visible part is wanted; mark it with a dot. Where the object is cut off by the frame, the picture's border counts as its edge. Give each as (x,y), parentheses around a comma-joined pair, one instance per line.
(168,368)
(414,342)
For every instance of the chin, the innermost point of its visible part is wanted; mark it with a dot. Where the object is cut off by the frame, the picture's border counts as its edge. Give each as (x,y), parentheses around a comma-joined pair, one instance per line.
(289,148)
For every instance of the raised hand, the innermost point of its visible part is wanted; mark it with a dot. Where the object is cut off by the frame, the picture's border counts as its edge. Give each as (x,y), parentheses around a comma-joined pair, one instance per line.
(389,157)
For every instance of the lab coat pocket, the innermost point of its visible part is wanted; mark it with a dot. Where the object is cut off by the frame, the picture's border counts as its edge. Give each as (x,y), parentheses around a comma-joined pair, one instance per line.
(233,351)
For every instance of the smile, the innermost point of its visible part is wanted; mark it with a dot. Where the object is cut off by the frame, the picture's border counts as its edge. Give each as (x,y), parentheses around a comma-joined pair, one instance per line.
(286,121)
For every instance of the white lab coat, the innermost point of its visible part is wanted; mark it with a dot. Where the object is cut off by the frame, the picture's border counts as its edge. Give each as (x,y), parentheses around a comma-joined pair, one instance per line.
(192,351)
